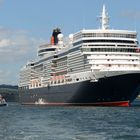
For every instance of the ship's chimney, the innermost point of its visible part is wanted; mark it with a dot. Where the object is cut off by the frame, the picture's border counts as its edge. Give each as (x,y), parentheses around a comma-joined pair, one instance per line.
(54,39)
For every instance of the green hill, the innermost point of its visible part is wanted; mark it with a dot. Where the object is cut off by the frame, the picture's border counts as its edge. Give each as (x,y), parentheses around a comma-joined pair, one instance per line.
(9,92)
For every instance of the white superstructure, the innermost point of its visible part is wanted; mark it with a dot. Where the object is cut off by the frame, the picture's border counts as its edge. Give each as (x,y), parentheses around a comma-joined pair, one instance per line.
(88,54)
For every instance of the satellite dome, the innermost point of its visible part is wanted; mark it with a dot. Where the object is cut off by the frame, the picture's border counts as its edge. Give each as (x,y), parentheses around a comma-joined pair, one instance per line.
(60,36)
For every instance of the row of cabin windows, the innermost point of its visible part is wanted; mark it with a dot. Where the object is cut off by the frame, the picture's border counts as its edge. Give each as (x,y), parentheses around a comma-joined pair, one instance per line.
(108,45)
(24,87)
(112,65)
(58,81)
(109,35)
(46,50)
(61,64)
(116,35)
(67,80)
(103,41)
(35,85)
(110,50)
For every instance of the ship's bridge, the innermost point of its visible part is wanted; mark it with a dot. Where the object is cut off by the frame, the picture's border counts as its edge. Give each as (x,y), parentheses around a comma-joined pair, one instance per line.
(105,35)
(108,49)
(117,38)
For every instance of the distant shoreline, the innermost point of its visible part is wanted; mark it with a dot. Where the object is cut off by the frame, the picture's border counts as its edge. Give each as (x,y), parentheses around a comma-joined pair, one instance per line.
(10,93)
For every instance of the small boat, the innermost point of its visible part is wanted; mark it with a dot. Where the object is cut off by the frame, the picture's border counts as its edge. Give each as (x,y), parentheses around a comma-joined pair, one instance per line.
(2,101)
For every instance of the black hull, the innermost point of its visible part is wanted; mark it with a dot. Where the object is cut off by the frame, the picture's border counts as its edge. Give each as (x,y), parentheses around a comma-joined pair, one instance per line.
(3,104)
(117,91)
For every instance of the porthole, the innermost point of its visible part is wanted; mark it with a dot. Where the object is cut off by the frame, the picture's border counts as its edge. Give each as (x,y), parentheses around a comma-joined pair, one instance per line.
(77,79)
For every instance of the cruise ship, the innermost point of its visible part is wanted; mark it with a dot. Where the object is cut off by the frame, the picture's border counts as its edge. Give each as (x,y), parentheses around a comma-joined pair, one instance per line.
(97,67)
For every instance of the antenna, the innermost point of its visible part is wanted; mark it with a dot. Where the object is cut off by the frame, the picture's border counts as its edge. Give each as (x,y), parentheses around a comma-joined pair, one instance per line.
(104,18)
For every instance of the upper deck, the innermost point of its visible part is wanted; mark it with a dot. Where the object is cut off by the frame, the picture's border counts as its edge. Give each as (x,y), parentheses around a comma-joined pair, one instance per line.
(109,34)
(104,32)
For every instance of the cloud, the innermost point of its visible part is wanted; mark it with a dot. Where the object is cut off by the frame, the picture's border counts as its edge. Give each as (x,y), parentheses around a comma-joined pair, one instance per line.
(5,43)
(17,45)
(5,77)
(16,48)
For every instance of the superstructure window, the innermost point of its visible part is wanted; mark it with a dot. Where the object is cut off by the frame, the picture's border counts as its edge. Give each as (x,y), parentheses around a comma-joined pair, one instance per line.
(46,50)
(110,41)
(110,50)
(103,41)
(117,35)
(74,49)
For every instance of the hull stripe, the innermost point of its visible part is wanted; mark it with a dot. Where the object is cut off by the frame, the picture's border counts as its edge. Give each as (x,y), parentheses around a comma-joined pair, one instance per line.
(117,103)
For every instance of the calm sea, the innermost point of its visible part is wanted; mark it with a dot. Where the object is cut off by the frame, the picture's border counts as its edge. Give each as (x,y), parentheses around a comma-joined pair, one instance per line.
(19,122)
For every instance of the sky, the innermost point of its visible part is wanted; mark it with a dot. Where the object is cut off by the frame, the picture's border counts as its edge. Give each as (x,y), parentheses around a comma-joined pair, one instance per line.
(26,24)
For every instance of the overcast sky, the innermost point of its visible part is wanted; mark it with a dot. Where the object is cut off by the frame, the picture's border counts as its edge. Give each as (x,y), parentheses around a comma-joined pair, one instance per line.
(25,24)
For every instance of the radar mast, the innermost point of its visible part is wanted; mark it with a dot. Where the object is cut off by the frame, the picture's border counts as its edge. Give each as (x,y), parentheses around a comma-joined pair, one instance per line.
(104,19)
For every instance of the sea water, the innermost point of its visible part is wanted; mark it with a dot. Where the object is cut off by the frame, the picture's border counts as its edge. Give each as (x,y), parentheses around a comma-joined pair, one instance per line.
(18,122)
